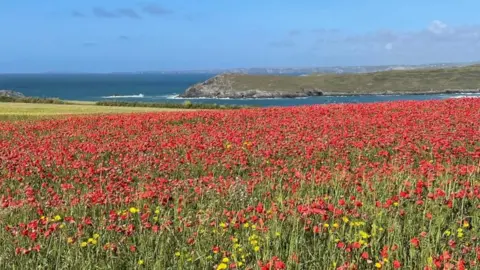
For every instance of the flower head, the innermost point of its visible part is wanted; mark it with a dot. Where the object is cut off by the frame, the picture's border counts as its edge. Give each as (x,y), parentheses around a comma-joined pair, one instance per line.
(222,266)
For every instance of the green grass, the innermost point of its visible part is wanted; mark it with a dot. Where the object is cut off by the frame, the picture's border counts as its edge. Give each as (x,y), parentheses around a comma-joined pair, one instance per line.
(134,105)
(398,81)
(12,111)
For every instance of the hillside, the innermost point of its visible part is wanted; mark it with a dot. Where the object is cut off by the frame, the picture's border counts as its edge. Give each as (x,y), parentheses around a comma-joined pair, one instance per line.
(420,81)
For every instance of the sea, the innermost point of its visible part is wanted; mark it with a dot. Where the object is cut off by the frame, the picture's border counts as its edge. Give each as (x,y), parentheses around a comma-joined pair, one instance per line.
(162,88)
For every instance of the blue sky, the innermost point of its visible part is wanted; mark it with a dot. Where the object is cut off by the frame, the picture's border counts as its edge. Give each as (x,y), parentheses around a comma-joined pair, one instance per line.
(129,35)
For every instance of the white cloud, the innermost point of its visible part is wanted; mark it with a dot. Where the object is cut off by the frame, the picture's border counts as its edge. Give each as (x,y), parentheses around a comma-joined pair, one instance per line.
(437,27)
(436,42)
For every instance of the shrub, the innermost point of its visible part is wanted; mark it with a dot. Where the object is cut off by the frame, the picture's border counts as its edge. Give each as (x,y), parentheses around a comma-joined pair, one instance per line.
(185,105)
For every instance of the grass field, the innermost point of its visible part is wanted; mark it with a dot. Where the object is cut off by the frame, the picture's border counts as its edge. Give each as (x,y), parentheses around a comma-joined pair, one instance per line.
(21,111)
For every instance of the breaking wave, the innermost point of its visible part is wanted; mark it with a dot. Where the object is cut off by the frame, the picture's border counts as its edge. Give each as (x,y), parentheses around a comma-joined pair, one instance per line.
(125,96)
(216,98)
(465,96)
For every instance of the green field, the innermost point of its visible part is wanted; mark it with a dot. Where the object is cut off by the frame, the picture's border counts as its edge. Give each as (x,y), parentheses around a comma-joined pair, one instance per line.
(397,81)
(21,111)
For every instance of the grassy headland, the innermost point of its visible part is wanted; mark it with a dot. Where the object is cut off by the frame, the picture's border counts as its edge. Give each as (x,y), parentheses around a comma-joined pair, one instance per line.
(419,81)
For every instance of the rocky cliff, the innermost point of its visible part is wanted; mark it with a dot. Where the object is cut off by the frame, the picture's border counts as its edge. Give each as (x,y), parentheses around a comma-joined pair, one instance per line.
(226,86)
(11,93)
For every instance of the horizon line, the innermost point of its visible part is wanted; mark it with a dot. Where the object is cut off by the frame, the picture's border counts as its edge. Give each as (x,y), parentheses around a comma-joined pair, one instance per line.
(207,70)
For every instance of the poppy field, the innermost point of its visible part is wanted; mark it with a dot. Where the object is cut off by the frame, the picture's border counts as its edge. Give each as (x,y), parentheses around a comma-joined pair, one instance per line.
(391,185)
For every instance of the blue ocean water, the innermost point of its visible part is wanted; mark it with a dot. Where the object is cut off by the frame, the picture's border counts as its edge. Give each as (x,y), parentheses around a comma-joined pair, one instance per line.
(158,88)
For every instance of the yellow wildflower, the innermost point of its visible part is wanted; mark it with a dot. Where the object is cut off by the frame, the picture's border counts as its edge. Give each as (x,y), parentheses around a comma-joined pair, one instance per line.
(378,265)
(336,225)
(157,211)
(177,254)
(225,260)
(256,249)
(96,236)
(83,244)
(345,219)
(140,262)
(246,225)
(466,224)
(277,234)
(57,218)
(133,210)
(222,266)
(364,235)
(223,225)
(69,240)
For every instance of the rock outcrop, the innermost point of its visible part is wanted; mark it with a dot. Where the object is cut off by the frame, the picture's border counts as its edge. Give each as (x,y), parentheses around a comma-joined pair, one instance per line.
(11,94)
(223,86)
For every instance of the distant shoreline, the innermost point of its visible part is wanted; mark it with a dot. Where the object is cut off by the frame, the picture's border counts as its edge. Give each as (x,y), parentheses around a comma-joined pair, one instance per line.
(441,92)
(449,92)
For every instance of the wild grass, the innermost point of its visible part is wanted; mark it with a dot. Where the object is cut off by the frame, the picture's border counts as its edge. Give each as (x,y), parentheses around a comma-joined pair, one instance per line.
(395,81)
(13,111)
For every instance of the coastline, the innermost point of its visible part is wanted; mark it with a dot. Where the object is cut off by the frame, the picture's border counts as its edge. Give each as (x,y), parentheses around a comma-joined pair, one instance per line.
(411,82)
(333,94)
(416,93)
